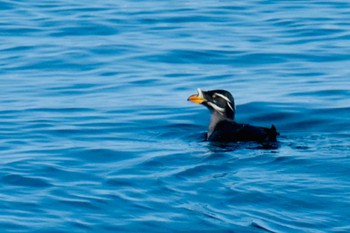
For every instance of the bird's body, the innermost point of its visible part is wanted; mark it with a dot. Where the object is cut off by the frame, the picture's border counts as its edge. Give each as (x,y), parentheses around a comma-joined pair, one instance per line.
(230,131)
(222,127)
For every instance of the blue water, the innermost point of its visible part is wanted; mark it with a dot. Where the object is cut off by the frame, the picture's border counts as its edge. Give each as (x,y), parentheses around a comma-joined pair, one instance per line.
(96,134)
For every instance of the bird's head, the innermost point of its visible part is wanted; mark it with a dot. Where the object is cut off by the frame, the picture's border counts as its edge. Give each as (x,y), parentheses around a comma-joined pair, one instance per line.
(217,101)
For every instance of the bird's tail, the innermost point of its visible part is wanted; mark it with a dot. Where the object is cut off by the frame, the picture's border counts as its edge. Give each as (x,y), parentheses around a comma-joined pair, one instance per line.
(272,132)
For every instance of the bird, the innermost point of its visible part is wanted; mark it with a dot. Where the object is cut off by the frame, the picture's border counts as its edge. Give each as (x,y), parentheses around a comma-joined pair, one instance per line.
(222,126)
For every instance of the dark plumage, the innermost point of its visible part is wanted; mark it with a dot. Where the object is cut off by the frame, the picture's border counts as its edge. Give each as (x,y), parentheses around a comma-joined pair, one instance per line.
(222,127)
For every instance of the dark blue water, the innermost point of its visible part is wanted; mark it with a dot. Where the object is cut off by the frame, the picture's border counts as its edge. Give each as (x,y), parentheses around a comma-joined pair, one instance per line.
(96,134)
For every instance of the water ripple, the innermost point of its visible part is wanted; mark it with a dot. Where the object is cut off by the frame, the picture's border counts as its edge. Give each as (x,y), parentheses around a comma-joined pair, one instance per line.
(96,134)
(19,180)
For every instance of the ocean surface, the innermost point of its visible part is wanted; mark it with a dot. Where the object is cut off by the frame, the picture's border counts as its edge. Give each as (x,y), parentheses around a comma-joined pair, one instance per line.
(96,134)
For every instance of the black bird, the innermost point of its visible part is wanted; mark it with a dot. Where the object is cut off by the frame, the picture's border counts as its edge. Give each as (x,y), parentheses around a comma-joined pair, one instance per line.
(222,127)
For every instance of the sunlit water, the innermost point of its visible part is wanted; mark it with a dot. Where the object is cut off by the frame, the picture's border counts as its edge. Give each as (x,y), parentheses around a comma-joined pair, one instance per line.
(96,134)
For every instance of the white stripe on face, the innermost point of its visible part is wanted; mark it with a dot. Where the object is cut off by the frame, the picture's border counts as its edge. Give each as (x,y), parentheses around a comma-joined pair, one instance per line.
(217,108)
(228,103)
(224,97)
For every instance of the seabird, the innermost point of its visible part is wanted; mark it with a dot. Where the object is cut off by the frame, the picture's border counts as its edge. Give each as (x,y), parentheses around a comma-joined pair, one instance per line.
(223,127)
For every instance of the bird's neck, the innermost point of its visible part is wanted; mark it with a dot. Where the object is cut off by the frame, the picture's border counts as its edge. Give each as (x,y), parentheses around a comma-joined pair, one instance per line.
(214,120)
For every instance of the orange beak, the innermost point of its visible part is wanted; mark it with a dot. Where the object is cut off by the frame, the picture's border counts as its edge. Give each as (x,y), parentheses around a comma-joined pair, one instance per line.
(197,98)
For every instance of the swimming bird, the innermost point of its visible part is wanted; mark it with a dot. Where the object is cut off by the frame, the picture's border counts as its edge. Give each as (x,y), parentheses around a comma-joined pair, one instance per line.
(223,127)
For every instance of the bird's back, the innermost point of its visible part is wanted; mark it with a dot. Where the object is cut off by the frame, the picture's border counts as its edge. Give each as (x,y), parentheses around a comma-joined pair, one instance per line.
(230,131)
